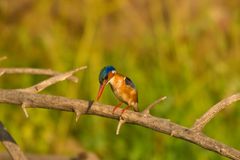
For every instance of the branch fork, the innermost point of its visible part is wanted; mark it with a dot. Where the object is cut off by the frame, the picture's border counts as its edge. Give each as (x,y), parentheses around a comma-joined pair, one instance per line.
(57,77)
(120,123)
(78,113)
(147,110)
(24,106)
(212,112)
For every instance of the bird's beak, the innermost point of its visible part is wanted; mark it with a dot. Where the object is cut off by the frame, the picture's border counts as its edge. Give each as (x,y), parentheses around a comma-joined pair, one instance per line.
(101,88)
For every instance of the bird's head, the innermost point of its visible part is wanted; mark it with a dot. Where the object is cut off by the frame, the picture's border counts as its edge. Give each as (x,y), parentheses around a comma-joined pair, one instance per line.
(105,76)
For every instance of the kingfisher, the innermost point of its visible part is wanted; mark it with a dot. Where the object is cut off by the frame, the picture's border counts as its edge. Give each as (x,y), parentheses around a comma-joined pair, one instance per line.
(122,87)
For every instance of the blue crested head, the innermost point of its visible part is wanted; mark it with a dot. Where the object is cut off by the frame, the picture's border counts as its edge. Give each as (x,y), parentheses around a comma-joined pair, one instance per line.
(104,73)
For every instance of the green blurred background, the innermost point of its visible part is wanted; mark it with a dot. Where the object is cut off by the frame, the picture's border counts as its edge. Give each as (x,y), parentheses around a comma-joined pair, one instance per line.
(187,50)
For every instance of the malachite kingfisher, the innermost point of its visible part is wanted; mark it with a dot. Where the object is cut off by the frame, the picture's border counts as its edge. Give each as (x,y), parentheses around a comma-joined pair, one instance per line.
(122,87)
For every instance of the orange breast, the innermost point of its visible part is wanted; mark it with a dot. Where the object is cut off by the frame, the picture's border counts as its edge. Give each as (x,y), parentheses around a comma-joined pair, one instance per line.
(122,91)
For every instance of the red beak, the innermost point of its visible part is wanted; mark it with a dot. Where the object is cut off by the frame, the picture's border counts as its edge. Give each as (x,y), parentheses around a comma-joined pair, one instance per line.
(101,88)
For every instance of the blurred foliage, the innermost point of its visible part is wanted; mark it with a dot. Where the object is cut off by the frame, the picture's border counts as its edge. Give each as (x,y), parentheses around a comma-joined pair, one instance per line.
(187,50)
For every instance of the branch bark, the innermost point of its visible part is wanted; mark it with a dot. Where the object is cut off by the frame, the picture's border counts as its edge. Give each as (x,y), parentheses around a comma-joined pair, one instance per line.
(52,80)
(29,97)
(147,110)
(44,84)
(10,144)
(87,107)
(36,71)
(212,112)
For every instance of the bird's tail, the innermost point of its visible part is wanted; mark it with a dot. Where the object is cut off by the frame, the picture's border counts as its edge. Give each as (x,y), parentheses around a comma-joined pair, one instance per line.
(135,107)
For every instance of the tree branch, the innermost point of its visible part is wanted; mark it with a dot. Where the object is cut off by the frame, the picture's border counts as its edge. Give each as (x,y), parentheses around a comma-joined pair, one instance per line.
(137,118)
(120,123)
(44,84)
(52,80)
(147,110)
(28,97)
(35,71)
(10,144)
(212,112)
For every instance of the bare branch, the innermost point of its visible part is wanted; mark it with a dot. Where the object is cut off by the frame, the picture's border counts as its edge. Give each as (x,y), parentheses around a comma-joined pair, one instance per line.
(35,71)
(147,110)
(3,58)
(211,113)
(78,114)
(24,106)
(120,123)
(137,118)
(46,83)
(10,144)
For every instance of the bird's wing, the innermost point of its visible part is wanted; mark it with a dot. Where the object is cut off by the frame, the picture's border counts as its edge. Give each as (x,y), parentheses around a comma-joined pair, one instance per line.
(129,82)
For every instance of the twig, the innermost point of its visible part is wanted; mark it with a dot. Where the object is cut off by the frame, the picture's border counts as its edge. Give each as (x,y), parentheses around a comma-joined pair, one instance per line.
(46,83)
(211,113)
(35,71)
(78,114)
(1,59)
(10,144)
(120,123)
(24,106)
(137,118)
(147,110)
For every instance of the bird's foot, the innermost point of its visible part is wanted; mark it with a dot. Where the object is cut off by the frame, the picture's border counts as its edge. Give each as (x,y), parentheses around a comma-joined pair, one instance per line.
(124,110)
(117,106)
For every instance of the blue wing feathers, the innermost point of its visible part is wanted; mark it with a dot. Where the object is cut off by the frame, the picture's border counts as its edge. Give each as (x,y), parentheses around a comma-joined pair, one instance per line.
(129,82)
